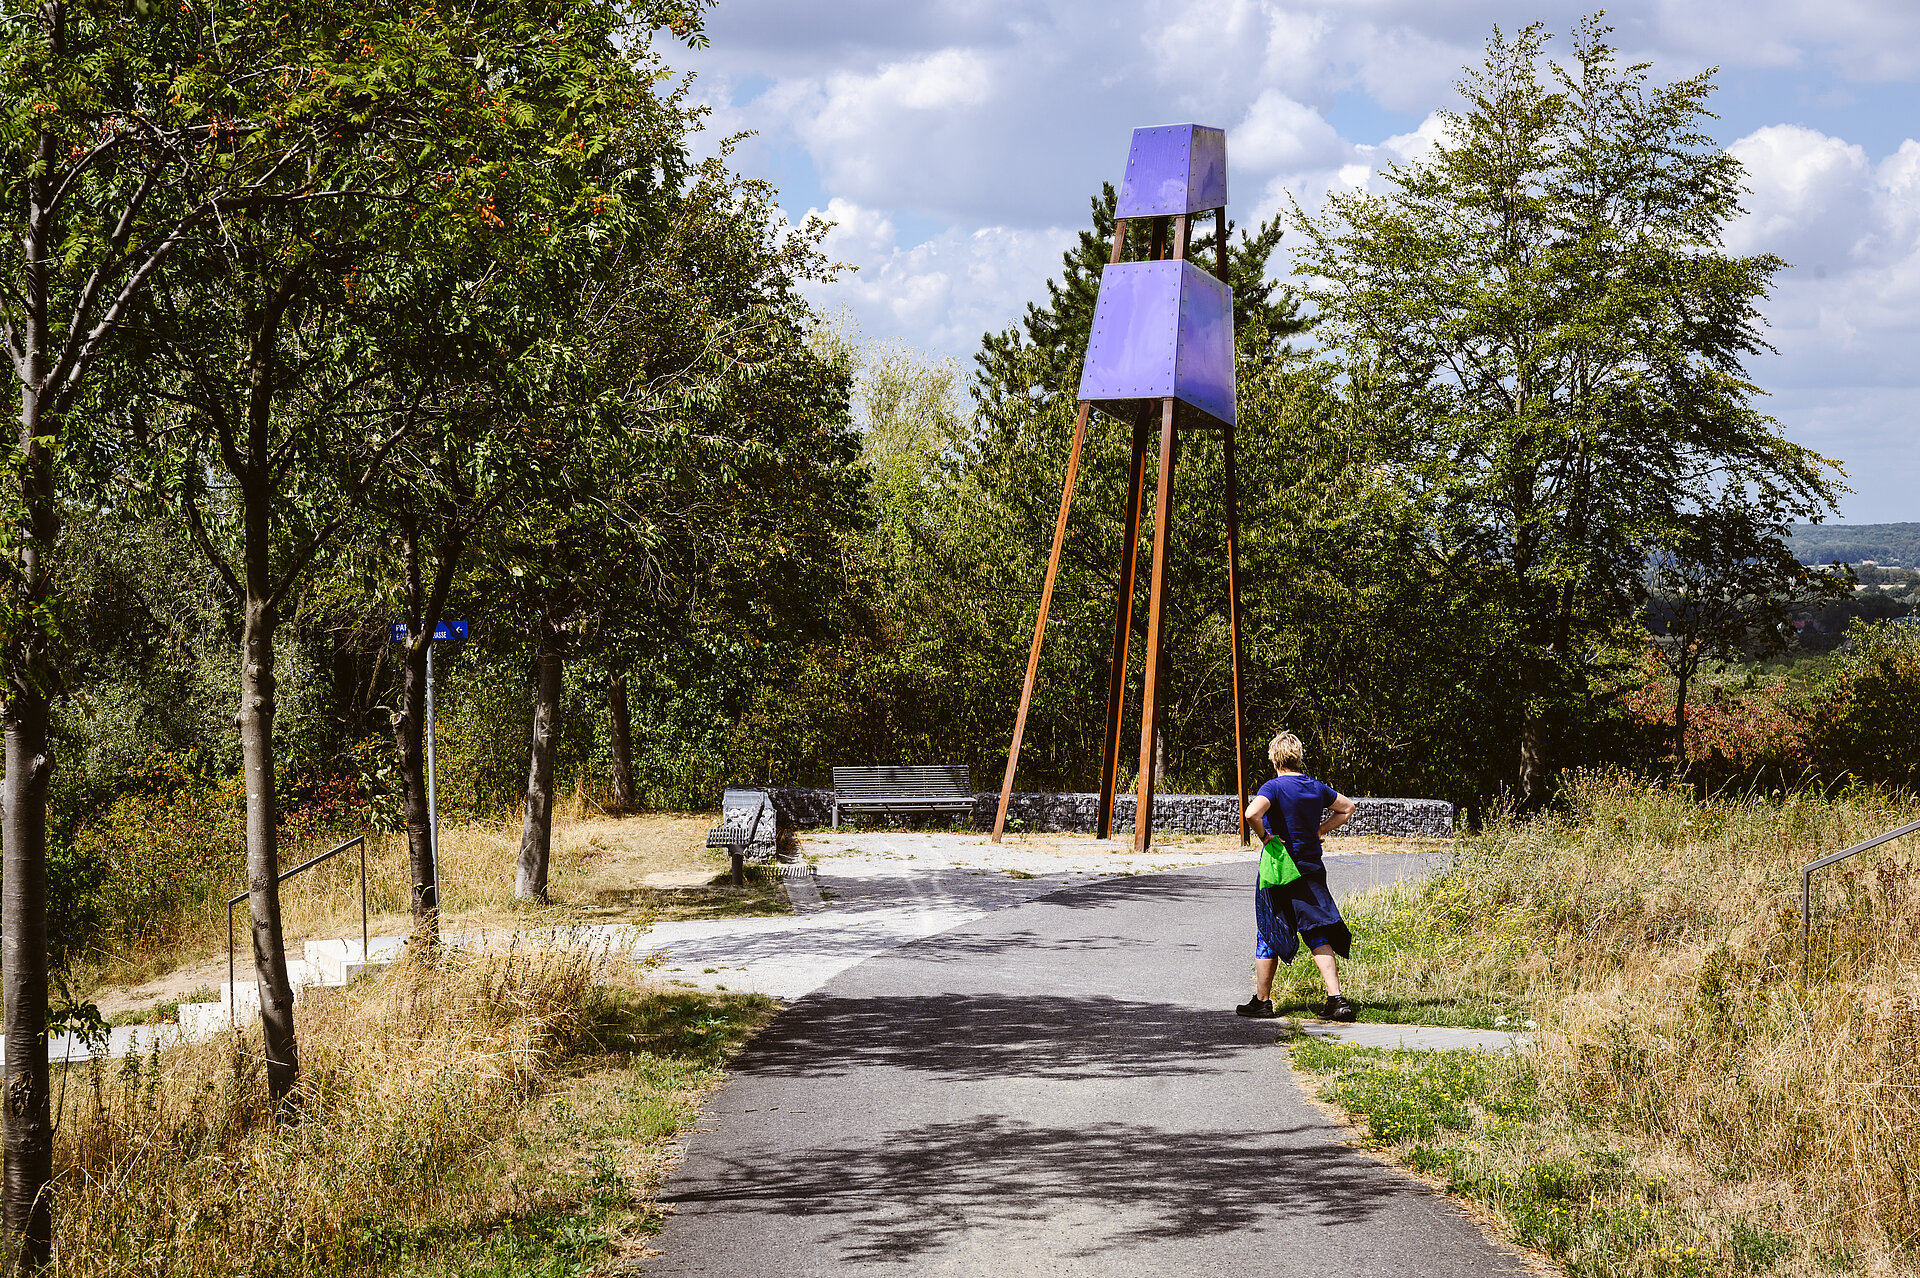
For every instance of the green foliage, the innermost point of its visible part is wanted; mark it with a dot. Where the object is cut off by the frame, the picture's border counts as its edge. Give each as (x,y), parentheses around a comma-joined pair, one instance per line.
(1850,543)
(485,725)
(1542,311)
(1872,729)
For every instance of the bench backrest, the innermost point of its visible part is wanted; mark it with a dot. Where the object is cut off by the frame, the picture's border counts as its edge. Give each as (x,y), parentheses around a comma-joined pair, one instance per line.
(748,809)
(938,781)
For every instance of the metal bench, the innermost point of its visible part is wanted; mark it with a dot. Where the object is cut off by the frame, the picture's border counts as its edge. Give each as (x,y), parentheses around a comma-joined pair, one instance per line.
(746,818)
(897,791)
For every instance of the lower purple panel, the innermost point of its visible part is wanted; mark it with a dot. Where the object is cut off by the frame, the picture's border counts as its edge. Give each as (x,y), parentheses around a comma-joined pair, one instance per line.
(1162,329)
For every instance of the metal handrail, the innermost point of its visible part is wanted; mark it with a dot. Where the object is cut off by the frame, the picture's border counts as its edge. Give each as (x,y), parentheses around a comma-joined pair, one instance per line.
(1806,882)
(233,993)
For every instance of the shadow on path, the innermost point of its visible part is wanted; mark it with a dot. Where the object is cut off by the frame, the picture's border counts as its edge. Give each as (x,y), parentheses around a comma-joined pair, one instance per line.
(1000,1036)
(916,1190)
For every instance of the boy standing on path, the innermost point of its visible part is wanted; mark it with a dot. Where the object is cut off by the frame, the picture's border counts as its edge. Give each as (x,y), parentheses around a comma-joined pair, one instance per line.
(1303,909)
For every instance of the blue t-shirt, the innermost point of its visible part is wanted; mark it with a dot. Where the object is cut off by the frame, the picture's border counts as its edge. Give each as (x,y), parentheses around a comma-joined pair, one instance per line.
(1298,803)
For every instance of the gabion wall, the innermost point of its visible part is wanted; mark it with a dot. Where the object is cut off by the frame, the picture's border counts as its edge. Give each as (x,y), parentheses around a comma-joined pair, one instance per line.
(1188,813)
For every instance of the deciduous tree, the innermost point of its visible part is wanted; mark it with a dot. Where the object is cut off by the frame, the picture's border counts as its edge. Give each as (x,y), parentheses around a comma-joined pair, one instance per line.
(264,332)
(1542,305)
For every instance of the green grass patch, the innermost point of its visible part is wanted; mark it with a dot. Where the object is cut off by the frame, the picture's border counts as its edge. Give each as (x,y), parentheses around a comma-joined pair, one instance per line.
(1477,1122)
(163,1013)
(1423,954)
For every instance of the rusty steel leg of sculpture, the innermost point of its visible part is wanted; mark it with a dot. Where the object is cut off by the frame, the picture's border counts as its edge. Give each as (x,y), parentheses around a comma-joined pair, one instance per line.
(1233,625)
(1040,622)
(1122,631)
(1156,611)
(1124,378)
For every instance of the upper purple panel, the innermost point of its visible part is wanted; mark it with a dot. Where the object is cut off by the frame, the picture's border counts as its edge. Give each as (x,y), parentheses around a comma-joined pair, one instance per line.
(1162,329)
(1174,169)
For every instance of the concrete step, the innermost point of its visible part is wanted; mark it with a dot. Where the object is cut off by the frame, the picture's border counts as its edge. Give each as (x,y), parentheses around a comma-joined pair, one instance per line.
(204,1020)
(339,961)
(245,995)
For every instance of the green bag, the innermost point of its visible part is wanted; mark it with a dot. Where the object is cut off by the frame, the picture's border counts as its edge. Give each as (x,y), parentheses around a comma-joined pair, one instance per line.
(1276,863)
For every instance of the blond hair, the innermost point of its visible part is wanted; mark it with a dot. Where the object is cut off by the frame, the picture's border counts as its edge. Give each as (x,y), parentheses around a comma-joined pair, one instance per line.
(1286,753)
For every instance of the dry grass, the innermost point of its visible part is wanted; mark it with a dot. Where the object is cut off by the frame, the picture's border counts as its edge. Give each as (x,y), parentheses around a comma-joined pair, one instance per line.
(599,872)
(1656,940)
(491,1114)
(1692,1024)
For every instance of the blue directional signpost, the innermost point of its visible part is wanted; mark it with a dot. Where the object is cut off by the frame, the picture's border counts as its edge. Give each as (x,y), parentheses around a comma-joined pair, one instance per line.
(400,634)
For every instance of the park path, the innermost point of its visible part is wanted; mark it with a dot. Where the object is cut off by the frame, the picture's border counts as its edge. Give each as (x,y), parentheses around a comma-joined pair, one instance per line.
(1059,1087)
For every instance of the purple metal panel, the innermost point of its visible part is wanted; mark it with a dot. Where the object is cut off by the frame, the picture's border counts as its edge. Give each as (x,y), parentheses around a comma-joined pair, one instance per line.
(1174,169)
(1162,329)
(1204,373)
(1207,170)
(1132,353)
(1157,168)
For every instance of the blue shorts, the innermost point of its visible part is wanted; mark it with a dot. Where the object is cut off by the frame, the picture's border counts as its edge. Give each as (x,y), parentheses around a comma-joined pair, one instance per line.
(1269,931)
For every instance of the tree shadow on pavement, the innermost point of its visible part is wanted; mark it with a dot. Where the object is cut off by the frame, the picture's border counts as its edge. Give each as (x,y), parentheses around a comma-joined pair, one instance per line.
(969,942)
(912,1192)
(997,1036)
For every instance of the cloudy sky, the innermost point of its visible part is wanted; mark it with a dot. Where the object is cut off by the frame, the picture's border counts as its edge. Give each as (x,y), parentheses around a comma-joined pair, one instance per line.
(956,143)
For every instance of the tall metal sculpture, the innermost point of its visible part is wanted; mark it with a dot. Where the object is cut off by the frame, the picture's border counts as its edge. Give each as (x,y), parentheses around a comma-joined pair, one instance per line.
(1162,346)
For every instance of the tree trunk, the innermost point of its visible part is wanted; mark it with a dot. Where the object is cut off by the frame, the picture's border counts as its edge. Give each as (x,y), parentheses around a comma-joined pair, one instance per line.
(23,915)
(1533,760)
(536,833)
(409,736)
(29,760)
(1680,723)
(424,603)
(620,743)
(263,851)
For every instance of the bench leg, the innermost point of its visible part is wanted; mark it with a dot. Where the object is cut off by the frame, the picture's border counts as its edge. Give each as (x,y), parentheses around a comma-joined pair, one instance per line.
(739,867)
(836,816)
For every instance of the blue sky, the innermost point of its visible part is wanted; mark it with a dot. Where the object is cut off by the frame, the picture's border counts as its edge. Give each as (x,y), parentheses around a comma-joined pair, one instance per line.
(955,146)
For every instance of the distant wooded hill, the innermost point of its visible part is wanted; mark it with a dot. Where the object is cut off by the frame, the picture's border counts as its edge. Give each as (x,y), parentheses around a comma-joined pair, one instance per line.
(1851,543)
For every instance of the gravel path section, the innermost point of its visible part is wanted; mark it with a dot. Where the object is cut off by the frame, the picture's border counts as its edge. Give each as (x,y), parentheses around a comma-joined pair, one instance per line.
(885,889)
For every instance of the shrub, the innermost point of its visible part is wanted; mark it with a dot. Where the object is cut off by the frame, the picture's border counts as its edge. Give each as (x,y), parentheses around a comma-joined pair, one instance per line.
(1871,730)
(174,841)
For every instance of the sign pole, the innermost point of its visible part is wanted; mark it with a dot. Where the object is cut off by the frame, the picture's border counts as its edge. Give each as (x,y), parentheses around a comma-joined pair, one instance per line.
(402,633)
(433,803)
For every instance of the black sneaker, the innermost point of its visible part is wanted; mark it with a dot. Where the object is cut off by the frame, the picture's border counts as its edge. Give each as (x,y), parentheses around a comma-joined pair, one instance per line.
(1261,1007)
(1337,1009)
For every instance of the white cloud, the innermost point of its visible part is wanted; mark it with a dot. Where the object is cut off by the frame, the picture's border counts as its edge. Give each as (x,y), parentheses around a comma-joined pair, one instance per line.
(1278,133)
(942,293)
(1846,317)
(1848,311)
(982,127)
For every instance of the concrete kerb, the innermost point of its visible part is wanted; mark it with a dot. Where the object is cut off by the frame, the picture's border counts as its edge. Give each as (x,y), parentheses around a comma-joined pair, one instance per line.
(1415,1038)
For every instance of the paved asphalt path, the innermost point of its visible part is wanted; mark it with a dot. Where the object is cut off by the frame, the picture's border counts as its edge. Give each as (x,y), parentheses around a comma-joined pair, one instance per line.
(1058,1088)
